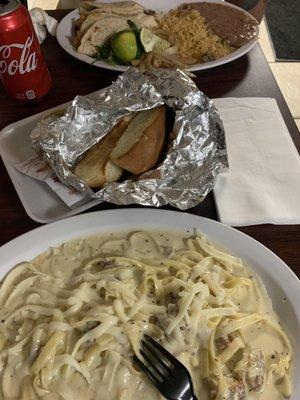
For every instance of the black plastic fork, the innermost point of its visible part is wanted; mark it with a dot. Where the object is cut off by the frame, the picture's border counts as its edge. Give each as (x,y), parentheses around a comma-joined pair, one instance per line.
(169,375)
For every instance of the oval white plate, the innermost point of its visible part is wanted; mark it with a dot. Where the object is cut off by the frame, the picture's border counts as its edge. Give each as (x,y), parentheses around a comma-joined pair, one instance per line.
(65,36)
(282,284)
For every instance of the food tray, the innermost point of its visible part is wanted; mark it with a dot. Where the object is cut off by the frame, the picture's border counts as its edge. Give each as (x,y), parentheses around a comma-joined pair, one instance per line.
(40,202)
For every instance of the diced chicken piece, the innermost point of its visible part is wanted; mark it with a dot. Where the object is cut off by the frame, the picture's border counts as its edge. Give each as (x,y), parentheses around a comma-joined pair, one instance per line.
(256,370)
(223,341)
(236,391)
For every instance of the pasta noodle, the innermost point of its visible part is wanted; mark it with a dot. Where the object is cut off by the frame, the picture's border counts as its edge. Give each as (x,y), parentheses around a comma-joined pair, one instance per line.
(72,318)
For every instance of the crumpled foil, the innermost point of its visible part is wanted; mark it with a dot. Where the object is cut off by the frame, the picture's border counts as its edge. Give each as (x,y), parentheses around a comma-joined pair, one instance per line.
(196,150)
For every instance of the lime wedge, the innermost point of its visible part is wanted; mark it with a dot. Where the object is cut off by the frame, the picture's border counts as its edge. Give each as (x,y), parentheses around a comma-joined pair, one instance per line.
(124,45)
(149,40)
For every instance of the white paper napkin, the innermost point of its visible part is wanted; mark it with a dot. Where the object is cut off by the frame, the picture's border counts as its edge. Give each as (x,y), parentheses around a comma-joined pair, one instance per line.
(41,20)
(263,183)
(40,169)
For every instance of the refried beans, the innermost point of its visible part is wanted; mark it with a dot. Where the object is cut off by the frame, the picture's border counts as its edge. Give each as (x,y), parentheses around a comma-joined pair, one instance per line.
(226,22)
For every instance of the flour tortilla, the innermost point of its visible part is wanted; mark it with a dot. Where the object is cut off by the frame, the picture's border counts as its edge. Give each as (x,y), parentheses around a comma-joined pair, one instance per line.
(125,8)
(99,32)
(139,19)
(90,20)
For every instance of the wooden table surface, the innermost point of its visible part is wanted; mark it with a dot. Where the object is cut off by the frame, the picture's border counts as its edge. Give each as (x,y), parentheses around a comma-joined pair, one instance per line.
(249,76)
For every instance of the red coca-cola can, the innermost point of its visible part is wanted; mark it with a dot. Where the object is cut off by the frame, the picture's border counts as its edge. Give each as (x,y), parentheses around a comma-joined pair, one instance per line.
(23,70)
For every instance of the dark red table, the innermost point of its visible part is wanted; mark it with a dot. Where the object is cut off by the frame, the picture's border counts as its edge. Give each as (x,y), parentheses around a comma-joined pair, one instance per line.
(249,76)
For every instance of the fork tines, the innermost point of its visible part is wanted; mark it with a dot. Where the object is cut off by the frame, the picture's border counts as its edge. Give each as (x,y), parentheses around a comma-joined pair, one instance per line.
(157,360)
(168,374)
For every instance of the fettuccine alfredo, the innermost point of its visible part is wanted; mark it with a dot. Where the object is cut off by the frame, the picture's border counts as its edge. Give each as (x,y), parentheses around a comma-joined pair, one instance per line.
(71,319)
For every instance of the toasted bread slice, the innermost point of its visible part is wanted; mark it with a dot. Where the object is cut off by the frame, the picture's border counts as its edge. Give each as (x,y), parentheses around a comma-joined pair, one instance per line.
(93,167)
(139,148)
(112,172)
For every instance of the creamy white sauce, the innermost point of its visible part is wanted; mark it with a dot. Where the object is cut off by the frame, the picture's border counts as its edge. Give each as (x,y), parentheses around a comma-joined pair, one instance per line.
(122,281)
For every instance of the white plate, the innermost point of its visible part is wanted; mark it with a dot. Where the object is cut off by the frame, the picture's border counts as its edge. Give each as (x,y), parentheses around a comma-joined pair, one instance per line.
(280,281)
(65,35)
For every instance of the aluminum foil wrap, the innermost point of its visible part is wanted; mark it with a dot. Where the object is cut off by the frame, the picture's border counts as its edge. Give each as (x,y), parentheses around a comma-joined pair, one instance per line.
(196,150)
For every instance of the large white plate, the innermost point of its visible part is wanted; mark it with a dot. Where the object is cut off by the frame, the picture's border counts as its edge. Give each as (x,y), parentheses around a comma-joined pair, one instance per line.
(65,35)
(282,284)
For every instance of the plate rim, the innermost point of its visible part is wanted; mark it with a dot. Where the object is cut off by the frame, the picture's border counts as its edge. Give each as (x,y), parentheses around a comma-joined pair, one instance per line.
(241,51)
(134,211)
(124,219)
